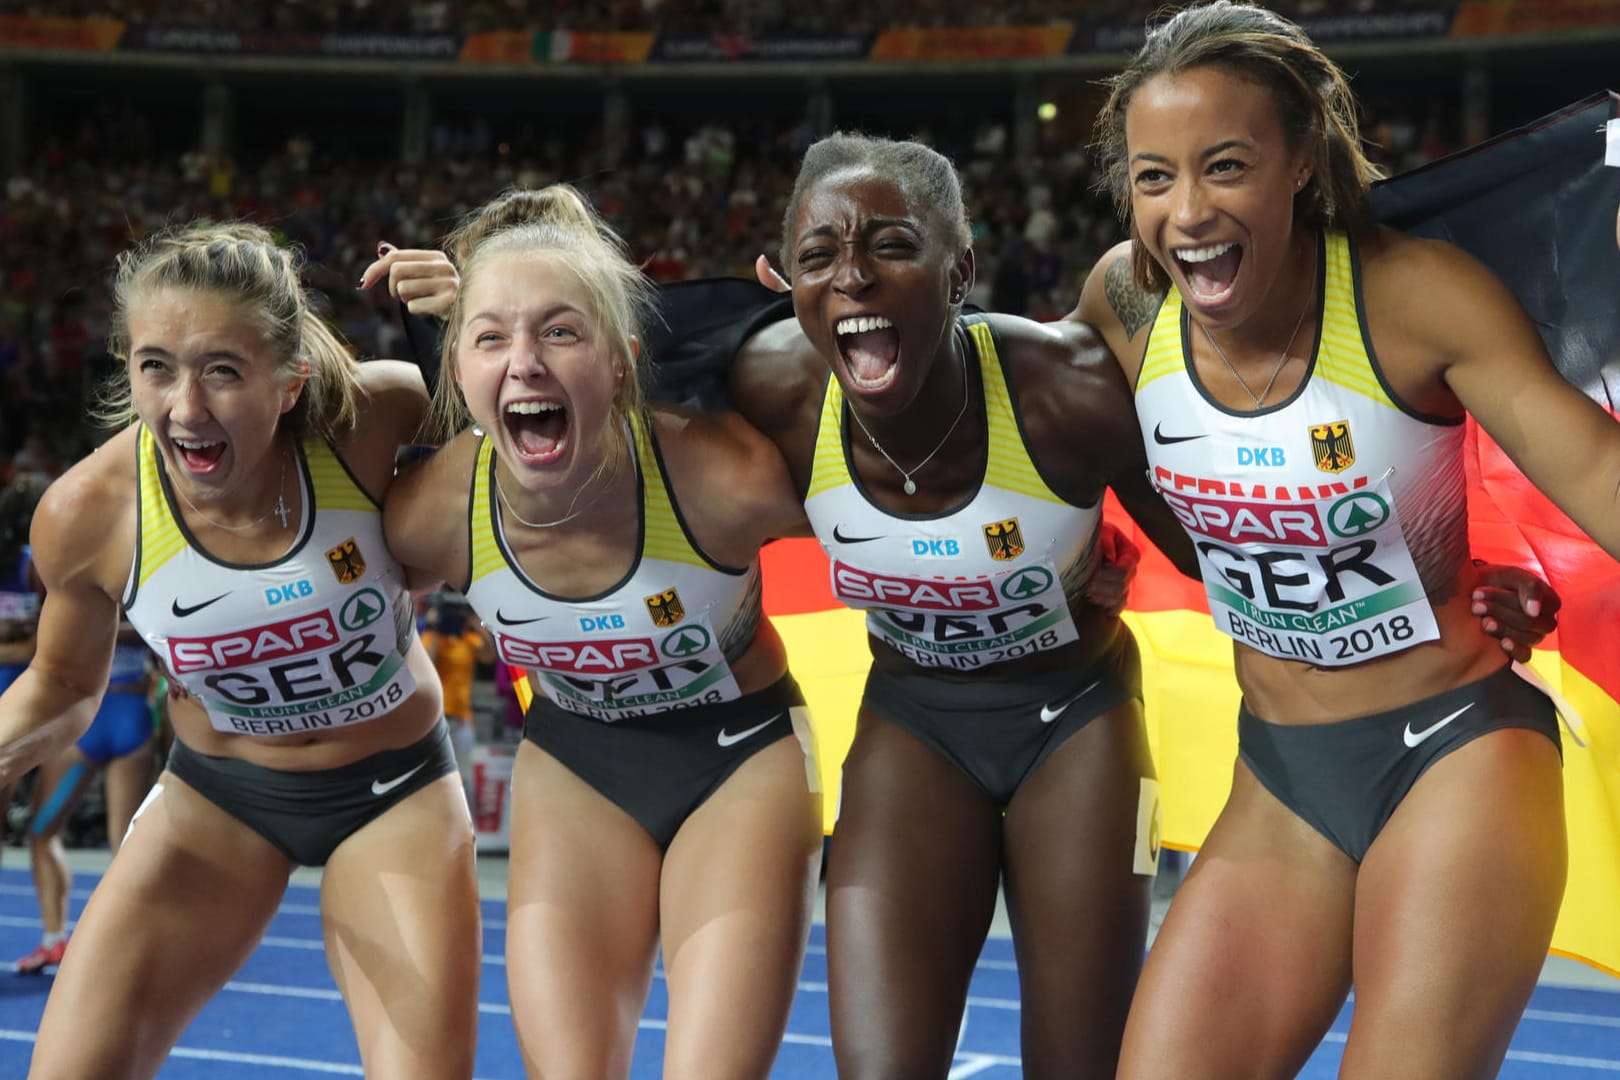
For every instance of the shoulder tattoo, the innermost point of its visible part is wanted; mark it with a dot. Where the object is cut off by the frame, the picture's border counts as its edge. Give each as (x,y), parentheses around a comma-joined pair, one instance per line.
(1134,306)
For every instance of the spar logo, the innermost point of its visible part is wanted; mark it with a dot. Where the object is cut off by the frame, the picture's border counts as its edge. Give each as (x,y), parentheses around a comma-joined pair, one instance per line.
(1029,582)
(599,657)
(1357,515)
(863,588)
(262,644)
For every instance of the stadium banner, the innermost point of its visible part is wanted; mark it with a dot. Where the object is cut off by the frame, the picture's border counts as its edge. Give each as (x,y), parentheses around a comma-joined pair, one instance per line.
(499,47)
(973,43)
(160,37)
(1394,24)
(688,48)
(562,46)
(1534,17)
(31,32)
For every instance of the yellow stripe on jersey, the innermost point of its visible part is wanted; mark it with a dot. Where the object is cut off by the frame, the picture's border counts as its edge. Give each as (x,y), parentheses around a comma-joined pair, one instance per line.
(334,488)
(486,554)
(827,469)
(1342,358)
(160,537)
(665,539)
(1163,356)
(1008,466)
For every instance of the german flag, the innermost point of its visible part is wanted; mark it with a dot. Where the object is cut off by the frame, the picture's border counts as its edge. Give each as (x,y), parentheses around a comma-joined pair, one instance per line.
(1538,206)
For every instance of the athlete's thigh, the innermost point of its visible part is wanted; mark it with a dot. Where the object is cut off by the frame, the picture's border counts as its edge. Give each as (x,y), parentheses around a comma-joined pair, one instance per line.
(399,911)
(912,876)
(739,885)
(1455,910)
(59,786)
(1080,853)
(581,922)
(1253,960)
(177,913)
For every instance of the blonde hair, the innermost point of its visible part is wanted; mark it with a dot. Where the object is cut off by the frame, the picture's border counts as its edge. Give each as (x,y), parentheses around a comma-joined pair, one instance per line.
(1312,97)
(243,263)
(554,220)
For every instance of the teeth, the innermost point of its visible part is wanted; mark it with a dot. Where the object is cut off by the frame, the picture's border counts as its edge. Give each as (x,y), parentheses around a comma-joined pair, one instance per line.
(862,324)
(1203,254)
(533,408)
(191,444)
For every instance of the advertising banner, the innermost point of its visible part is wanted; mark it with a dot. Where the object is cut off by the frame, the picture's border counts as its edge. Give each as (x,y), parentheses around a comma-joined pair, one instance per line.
(29,32)
(761,47)
(973,43)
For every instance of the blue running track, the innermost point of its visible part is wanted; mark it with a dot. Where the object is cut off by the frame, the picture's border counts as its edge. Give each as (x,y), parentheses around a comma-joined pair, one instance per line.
(281,1017)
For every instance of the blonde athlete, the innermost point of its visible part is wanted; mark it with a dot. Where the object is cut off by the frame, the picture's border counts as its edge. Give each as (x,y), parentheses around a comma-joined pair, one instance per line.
(1301,377)
(612,548)
(237,520)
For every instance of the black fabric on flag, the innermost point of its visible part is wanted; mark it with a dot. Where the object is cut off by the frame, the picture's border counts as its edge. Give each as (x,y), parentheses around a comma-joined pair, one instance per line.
(1536,205)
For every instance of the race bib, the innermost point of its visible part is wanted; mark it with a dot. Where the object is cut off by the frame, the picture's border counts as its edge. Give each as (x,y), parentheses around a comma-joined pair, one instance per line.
(323,669)
(1327,581)
(961,622)
(613,678)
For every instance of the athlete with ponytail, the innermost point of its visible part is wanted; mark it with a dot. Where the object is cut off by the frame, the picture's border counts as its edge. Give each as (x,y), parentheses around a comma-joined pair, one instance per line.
(237,521)
(612,547)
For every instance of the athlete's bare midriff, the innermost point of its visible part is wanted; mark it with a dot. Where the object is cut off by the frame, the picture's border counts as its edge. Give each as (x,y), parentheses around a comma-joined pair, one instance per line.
(1290,692)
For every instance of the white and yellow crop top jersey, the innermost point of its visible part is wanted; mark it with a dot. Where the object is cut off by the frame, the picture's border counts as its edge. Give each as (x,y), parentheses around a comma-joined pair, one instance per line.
(661,639)
(313,640)
(984,582)
(1323,522)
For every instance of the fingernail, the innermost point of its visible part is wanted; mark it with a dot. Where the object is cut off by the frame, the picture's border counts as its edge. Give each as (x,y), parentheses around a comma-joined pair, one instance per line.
(384,247)
(1533,607)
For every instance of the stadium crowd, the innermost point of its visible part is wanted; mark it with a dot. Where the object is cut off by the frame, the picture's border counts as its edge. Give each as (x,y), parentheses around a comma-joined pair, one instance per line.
(694,203)
(669,16)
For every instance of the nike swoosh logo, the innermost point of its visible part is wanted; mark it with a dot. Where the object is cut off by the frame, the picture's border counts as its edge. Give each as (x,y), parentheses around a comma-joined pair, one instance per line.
(1414,738)
(180,611)
(842,539)
(726,738)
(1170,440)
(501,618)
(378,787)
(1050,713)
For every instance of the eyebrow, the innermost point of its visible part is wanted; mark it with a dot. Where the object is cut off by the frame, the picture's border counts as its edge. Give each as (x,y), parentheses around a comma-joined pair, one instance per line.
(1218,148)
(545,316)
(212,354)
(872,225)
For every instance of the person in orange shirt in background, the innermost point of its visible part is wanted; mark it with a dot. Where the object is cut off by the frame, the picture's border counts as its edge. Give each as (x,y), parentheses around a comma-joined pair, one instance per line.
(457,643)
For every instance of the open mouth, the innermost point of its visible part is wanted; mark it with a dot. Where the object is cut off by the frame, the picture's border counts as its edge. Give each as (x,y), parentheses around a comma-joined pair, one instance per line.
(200,456)
(538,429)
(1210,271)
(870,346)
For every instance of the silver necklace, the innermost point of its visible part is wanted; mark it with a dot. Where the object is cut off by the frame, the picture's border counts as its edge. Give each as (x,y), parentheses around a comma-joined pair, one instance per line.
(279,510)
(572,513)
(565,519)
(910,486)
(1281,360)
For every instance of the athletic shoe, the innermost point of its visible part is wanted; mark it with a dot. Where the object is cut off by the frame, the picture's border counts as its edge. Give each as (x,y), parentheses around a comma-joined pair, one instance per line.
(41,958)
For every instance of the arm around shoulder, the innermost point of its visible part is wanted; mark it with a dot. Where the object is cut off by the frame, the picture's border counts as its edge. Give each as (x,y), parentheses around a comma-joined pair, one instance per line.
(425,515)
